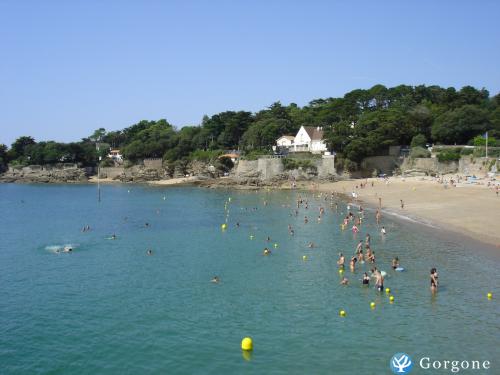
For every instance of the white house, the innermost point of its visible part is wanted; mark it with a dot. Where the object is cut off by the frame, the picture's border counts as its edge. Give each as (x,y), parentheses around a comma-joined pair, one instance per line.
(308,139)
(115,155)
(285,141)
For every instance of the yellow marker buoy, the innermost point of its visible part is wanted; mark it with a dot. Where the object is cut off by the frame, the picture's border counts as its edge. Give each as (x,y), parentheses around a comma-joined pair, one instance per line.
(490,295)
(223,226)
(275,245)
(387,290)
(341,270)
(304,257)
(247,344)
(391,299)
(342,313)
(372,305)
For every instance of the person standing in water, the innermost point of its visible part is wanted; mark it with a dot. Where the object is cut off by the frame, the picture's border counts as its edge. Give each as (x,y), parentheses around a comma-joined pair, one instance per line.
(395,263)
(366,279)
(434,280)
(341,261)
(379,282)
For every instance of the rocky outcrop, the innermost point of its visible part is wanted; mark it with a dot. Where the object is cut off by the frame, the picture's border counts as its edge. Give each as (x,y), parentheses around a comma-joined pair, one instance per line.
(39,174)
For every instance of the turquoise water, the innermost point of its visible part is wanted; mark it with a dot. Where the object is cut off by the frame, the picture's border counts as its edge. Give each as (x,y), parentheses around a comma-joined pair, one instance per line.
(107,308)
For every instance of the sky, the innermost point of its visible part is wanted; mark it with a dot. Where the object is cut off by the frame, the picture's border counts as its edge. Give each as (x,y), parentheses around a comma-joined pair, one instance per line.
(70,67)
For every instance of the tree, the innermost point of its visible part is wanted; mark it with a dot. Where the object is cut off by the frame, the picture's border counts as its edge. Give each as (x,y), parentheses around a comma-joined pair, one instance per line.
(18,148)
(418,141)
(461,124)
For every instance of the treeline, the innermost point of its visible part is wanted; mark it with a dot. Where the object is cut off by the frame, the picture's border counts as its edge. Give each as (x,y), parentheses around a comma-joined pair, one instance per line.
(360,124)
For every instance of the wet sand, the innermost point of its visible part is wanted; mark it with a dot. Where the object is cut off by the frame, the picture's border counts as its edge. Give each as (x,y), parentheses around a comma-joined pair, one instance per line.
(472,210)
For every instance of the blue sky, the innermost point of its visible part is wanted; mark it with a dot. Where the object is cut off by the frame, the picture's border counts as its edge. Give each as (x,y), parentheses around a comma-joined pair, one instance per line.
(69,67)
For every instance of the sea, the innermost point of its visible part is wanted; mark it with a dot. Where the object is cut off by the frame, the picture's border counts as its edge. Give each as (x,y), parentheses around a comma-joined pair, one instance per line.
(107,307)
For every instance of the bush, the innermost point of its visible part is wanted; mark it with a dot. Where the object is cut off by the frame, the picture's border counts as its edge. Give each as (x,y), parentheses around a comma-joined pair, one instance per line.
(419,152)
(467,151)
(290,164)
(350,165)
(255,154)
(202,155)
(449,155)
(418,141)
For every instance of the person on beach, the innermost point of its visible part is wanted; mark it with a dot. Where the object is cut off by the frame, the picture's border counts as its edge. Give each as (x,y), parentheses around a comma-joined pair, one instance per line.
(395,263)
(366,279)
(341,261)
(402,204)
(434,280)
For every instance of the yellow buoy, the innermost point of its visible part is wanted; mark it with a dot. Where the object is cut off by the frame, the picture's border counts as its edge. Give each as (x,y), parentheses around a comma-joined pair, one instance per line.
(223,226)
(247,344)
(387,290)
(372,305)
(304,257)
(342,313)
(391,299)
(341,270)
(490,295)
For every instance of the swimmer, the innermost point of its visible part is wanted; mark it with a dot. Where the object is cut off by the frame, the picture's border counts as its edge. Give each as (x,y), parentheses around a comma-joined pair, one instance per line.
(366,279)
(352,263)
(310,245)
(341,261)
(215,280)
(359,248)
(379,282)
(306,220)
(268,239)
(149,252)
(237,225)
(395,263)
(344,281)
(355,229)
(67,249)
(113,237)
(367,239)
(434,280)
(146,224)
(361,256)
(267,251)
(382,231)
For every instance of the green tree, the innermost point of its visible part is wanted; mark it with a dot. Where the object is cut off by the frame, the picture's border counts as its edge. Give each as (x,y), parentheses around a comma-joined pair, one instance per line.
(418,141)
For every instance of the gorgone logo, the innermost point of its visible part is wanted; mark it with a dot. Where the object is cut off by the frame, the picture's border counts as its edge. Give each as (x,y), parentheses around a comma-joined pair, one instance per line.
(401,363)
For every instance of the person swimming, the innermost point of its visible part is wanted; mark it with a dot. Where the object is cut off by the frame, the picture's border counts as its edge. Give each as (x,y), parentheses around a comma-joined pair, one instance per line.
(67,249)
(149,252)
(310,245)
(267,251)
(352,263)
(434,280)
(366,279)
(113,237)
(344,281)
(215,280)
(341,261)
(382,231)
(395,263)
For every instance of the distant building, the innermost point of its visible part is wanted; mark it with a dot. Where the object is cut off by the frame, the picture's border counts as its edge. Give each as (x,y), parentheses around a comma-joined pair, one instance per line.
(115,155)
(232,156)
(308,139)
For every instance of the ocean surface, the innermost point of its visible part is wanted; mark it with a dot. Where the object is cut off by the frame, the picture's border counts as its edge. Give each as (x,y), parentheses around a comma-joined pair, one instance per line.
(108,308)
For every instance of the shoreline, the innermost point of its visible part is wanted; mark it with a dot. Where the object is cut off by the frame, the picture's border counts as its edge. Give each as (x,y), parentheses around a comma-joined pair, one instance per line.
(471,211)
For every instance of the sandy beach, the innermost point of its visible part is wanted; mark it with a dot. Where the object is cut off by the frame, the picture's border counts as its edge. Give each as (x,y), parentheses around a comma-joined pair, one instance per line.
(470,209)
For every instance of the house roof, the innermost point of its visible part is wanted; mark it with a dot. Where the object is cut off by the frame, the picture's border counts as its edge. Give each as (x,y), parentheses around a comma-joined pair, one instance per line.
(314,133)
(232,156)
(289,137)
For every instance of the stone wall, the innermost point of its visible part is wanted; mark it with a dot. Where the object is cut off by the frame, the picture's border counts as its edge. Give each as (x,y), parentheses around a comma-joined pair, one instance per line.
(427,166)
(269,168)
(112,172)
(153,163)
(326,167)
(380,164)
